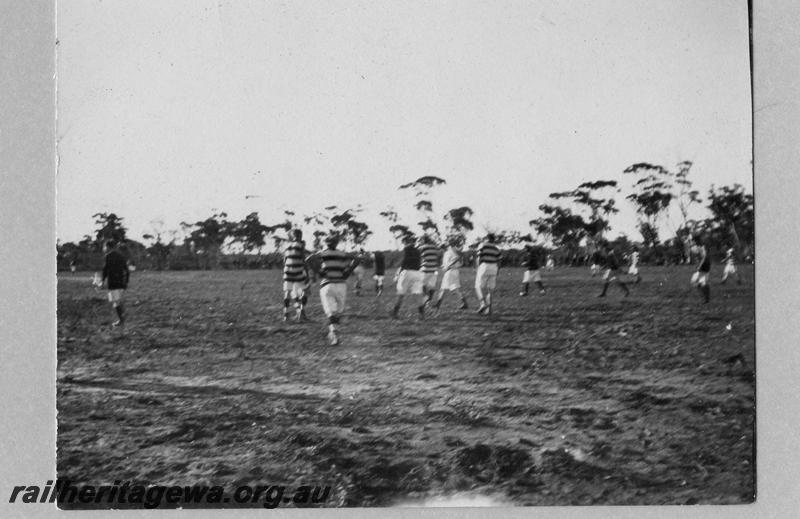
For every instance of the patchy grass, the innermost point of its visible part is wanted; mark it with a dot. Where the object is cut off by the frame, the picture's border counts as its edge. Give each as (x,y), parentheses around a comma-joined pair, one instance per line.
(555,399)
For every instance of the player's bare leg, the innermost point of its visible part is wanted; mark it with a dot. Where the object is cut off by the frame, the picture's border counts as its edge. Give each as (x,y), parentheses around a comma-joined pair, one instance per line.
(429,293)
(397,304)
(333,335)
(439,297)
(705,291)
(463,299)
(120,311)
(481,299)
(301,308)
(287,302)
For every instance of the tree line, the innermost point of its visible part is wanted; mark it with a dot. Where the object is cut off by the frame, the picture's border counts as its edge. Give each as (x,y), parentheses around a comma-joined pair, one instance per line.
(569,226)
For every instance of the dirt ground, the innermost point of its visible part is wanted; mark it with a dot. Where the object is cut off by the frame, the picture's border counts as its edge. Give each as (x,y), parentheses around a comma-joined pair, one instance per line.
(561,398)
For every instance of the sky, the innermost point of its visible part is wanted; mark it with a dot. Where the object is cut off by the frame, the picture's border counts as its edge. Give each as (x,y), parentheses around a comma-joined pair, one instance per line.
(170,110)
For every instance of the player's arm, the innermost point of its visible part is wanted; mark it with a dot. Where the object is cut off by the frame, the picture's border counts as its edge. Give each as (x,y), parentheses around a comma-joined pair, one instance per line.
(311,264)
(351,266)
(127,274)
(105,272)
(702,257)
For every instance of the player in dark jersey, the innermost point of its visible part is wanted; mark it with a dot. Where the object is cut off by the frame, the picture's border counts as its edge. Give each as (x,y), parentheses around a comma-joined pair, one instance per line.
(611,264)
(379,262)
(409,278)
(730,267)
(360,269)
(531,263)
(597,262)
(700,277)
(116,275)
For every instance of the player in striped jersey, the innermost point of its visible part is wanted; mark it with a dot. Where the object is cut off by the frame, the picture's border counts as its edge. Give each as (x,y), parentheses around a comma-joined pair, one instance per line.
(295,276)
(409,277)
(335,267)
(451,278)
(488,262)
(430,266)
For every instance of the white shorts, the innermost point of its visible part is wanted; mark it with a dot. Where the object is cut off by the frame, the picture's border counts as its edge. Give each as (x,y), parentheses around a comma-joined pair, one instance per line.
(333,297)
(633,271)
(359,271)
(115,296)
(409,282)
(429,280)
(297,289)
(729,269)
(451,280)
(610,275)
(699,279)
(531,275)
(486,277)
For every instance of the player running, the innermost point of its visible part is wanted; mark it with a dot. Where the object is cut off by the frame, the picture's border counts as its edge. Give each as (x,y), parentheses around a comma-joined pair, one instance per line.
(360,270)
(451,277)
(487,262)
(633,269)
(700,277)
(335,267)
(430,266)
(730,267)
(611,264)
(116,275)
(531,263)
(295,276)
(597,262)
(409,278)
(379,262)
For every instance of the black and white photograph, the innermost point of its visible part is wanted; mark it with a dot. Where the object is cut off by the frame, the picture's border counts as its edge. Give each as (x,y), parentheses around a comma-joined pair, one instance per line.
(442,253)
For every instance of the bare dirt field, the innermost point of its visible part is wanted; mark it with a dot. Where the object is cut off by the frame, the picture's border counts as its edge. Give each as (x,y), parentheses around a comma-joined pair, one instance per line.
(560,398)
